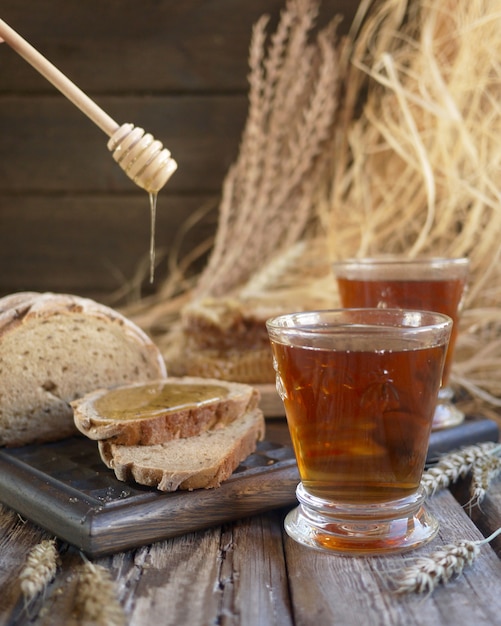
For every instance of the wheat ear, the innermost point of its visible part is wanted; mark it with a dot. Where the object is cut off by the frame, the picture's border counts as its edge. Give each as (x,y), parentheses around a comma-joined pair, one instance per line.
(455,465)
(39,569)
(440,566)
(96,598)
(483,473)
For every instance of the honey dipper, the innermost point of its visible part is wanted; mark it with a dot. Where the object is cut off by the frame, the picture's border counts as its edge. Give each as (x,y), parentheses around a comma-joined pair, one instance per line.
(142,158)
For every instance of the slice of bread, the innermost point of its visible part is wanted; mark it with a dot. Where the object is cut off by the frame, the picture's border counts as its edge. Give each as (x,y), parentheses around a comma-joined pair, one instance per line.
(55,348)
(202,461)
(226,338)
(152,413)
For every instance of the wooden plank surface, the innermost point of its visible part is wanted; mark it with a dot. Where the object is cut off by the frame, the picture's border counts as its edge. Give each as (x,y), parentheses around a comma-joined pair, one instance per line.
(178,69)
(330,590)
(249,572)
(152,46)
(48,146)
(63,243)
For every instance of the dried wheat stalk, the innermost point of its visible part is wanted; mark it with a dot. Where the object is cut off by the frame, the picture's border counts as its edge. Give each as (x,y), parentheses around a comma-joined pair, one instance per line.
(482,461)
(39,569)
(96,597)
(267,194)
(440,566)
(483,473)
(455,465)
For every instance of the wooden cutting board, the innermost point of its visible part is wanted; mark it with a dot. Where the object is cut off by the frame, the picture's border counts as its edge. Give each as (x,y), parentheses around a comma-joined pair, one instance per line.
(65,488)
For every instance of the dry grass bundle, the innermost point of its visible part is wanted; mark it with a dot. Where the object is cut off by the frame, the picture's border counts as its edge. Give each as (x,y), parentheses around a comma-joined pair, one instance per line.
(417,171)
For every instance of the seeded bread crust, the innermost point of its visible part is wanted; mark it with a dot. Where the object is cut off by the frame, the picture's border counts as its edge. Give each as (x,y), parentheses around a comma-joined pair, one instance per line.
(203,461)
(173,424)
(55,348)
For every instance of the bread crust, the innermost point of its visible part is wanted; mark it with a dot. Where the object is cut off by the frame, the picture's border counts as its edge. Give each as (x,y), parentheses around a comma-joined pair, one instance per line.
(158,466)
(252,366)
(173,424)
(46,345)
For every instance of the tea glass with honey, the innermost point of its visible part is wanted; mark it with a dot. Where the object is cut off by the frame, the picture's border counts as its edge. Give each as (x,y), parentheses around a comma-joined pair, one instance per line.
(359,387)
(433,284)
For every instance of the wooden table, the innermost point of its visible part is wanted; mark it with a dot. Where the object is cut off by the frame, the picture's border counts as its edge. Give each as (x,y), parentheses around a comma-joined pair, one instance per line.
(250,572)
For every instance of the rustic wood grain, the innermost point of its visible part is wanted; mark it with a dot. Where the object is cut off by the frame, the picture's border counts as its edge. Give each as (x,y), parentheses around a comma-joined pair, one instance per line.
(192,563)
(48,146)
(258,590)
(149,46)
(485,514)
(222,575)
(64,243)
(330,590)
(241,573)
(177,69)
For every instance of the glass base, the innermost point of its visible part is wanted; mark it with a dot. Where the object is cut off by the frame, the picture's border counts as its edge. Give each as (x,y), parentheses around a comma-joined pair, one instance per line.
(356,530)
(446,412)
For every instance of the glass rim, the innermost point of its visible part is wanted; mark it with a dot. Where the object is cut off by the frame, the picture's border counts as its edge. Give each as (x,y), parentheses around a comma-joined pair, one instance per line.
(398,260)
(399,268)
(333,320)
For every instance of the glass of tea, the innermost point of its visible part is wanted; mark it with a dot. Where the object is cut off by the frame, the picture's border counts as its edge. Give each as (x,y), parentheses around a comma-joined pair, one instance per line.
(433,284)
(359,388)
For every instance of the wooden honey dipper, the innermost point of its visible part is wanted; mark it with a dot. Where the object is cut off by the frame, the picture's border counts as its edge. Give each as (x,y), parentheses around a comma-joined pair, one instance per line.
(139,154)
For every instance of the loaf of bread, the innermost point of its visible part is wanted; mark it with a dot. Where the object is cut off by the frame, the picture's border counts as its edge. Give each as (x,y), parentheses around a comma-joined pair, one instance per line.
(201,461)
(55,348)
(157,412)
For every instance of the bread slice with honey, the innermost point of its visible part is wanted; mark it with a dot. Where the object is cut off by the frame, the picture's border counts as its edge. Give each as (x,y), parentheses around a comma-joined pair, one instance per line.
(157,412)
(201,461)
(55,348)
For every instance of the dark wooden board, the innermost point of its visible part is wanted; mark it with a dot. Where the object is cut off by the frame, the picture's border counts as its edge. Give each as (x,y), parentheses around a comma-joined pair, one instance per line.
(47,146)
(71,240)
(149,46)
(177,69)
(65,488)
(475,429)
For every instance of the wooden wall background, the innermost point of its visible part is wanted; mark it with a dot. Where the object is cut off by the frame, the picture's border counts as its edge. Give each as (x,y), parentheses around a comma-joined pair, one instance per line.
(70,219)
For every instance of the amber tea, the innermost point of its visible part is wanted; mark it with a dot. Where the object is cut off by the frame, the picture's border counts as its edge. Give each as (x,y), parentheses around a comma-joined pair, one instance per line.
(360,419)
(426,283)
(359,388)
(442,295)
